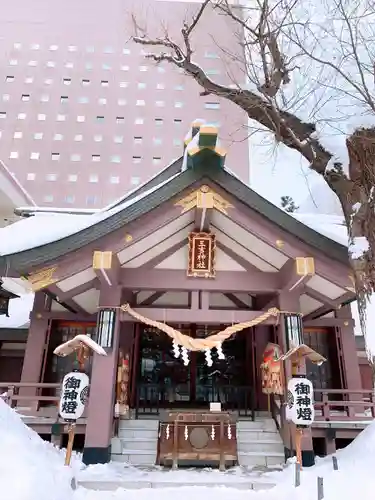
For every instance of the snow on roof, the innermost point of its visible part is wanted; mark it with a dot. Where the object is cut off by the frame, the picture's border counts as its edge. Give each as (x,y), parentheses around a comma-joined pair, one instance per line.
(19,308)
(42,229)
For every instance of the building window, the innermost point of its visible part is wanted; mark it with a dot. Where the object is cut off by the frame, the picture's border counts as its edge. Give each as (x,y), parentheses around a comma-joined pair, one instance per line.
(75,157)
(100,119)
(211,55)
(156,160)
(34,156)
(161,69)
(55,156)
(115,159)
(3,115)
(78,137)
(72,48)
(106,67)
(31,177)
(138,140)
(17,46)
(141,85)
(53,47)
(178,104)
(137,159)
(139,121)
(58,137)
(102,101)
(9,79)
(124,68)
(118,139)
(69,199)
(38,136)
(51,177)
(22,116)
(67,81)
(17,135)
(48,198)
(160,104)
(95,158)
(13,62)
(120,119)
(80,118)
(85,82)
(177,142)
(108,50)
(143,68)
(124,85)
(91,200)
(35,46)
(41,117)
(93,178)
(179,87)
(160,86)
(6,97)
(134,181)
(114,179)
(83,100)
(13,155)
(126,51)
(90,49)
(61,118)
(121,102)
(157,141)
(69,65)
(140,102)
(29,79)
(72,178)
(32,63)
(104,83)
(98,138)
(212,105)
(88,66)
(48,81)
(158,121)
(44,98)
(50,64)
(177,121)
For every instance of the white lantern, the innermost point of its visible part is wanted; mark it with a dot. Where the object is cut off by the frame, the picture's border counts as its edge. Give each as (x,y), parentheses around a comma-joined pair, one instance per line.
(300,402)
(74,394)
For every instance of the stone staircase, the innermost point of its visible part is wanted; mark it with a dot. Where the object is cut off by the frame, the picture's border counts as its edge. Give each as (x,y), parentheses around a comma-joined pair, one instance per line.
(137,442)
(259,443)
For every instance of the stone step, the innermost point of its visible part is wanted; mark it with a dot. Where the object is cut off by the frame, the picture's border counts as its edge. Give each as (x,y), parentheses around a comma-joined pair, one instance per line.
(251,436)
(136,457)
(138,443)
(257,458)
(127,434)
(261,425)
(138,424)
(251,484)
(262,446)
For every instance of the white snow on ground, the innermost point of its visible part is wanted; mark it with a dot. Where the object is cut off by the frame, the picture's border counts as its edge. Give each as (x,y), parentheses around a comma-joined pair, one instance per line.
(31,469)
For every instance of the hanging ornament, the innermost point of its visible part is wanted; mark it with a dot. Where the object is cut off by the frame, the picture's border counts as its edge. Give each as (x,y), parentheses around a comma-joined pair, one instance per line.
(207,353)
(186,433)
(176,349)
(219,350)
(185,356)
(213,433)
(229,434)
(167,432)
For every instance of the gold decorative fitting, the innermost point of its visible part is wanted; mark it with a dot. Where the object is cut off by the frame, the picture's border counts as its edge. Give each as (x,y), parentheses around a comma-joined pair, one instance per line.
(305,266)
(102,260)
(128,238)
(346,323)
(279,243)
(204,194)
(42,279)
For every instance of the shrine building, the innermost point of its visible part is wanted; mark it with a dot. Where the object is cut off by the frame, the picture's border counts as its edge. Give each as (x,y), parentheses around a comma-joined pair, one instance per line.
(191,253)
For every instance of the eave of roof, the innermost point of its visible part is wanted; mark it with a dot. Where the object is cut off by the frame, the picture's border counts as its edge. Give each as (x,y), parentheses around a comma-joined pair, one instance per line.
(25,260)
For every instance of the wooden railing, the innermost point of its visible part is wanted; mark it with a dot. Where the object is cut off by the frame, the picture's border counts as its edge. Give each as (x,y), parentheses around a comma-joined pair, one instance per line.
(341,404)
(30,395)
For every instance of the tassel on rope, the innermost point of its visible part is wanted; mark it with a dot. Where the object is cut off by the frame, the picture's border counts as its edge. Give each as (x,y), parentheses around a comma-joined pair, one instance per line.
(207,353)
(176,349)
(185,356)
(219,350)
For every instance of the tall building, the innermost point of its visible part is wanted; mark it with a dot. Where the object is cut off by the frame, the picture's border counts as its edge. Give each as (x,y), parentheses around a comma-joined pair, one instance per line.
(84,116)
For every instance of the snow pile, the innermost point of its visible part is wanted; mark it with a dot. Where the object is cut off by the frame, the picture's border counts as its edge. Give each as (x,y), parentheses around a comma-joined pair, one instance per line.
(30,469)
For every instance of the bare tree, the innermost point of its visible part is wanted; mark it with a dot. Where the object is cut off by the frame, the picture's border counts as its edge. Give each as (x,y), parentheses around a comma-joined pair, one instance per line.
(309,69)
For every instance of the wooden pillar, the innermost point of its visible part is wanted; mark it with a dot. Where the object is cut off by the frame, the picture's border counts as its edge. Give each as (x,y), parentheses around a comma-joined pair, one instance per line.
(100,412)
(35,347)
(289,301)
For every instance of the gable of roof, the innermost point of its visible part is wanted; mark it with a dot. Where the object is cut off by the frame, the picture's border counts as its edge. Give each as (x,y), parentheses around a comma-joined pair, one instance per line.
(179,176)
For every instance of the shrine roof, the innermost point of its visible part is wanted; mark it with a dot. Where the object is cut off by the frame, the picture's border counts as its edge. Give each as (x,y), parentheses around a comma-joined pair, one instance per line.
(50,236)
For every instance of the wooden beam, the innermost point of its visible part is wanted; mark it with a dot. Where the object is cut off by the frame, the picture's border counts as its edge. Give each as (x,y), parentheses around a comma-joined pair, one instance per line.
(106,267)
(327,322)
(202,219)
(151,299)
(323,299)
(169,280)
(325,309)
(236,301)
